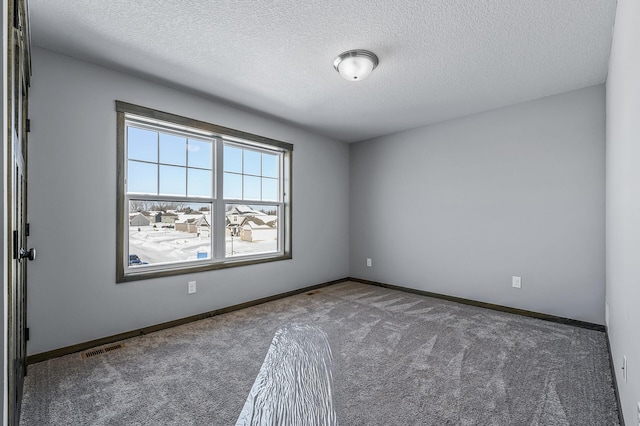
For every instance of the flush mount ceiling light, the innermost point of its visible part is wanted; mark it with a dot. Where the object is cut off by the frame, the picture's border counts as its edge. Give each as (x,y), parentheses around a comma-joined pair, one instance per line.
(355,65)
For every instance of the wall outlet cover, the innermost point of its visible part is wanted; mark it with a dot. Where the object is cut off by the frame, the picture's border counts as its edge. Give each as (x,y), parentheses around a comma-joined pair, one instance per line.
(516,282)
(191,287)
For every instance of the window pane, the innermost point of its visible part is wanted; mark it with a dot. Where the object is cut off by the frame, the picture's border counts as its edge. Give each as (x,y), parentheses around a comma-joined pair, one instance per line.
(252,162)
(168,235)
(200,182)
(142,144)
(251,229)
(142,178)
(173,180)
(269,165)
(173,150)
(269,189)
(232,159)
(232,186)
(199,154)
(251,188)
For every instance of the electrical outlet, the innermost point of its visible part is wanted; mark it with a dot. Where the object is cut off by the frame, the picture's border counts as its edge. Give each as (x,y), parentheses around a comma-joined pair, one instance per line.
(516,282)
(368,262)
(191,288)
(624,368)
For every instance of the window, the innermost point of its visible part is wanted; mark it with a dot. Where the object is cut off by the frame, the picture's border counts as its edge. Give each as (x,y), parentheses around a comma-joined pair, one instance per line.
(193,196)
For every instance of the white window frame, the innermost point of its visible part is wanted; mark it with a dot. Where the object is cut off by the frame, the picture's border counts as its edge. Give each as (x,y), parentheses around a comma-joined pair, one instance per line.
(146,118)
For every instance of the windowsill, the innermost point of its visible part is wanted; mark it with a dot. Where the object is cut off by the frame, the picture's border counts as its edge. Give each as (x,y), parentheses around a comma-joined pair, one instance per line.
(134,274)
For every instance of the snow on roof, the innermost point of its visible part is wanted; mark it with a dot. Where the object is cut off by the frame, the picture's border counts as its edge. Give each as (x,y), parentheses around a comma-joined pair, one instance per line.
(243,210)
(263,220)
(190,218)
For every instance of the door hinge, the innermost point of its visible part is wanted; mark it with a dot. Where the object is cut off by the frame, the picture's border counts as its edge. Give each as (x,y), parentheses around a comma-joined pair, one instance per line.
(26,334)
(27,229)
(28,125)
(16,17)
(15,244)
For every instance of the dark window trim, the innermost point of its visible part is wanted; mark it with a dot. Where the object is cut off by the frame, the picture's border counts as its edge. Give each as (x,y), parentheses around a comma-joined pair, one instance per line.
(123,108)
(197,124)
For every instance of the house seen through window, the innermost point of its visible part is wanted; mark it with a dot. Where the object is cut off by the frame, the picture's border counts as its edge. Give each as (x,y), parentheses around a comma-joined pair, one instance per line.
(197,198)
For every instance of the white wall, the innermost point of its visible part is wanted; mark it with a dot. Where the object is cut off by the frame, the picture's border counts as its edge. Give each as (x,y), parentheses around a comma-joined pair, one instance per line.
(460,207)
(623,203)
(73,296)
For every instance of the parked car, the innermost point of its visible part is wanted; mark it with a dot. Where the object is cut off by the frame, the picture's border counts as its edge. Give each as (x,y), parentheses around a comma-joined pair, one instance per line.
(134,259)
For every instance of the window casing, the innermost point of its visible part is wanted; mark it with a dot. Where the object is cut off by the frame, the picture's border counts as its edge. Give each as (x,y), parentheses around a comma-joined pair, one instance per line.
(194,196)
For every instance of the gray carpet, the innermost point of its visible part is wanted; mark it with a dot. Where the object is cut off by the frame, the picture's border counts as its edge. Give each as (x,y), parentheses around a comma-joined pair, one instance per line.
(398,359)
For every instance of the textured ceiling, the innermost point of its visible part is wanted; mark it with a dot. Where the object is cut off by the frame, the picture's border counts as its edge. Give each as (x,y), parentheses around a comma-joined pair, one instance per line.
(438,59)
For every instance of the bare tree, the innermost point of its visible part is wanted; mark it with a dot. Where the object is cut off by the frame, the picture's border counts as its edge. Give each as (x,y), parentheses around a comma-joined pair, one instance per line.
(139,205)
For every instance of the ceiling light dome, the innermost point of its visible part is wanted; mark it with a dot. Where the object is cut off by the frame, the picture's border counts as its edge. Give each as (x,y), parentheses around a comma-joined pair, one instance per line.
(355,65)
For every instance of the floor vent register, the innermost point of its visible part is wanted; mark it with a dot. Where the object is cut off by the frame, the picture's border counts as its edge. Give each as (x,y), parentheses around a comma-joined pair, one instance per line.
(106,349)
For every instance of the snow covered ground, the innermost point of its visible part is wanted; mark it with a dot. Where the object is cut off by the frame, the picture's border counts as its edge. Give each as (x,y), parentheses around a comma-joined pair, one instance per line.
(160,245)
(249,247)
